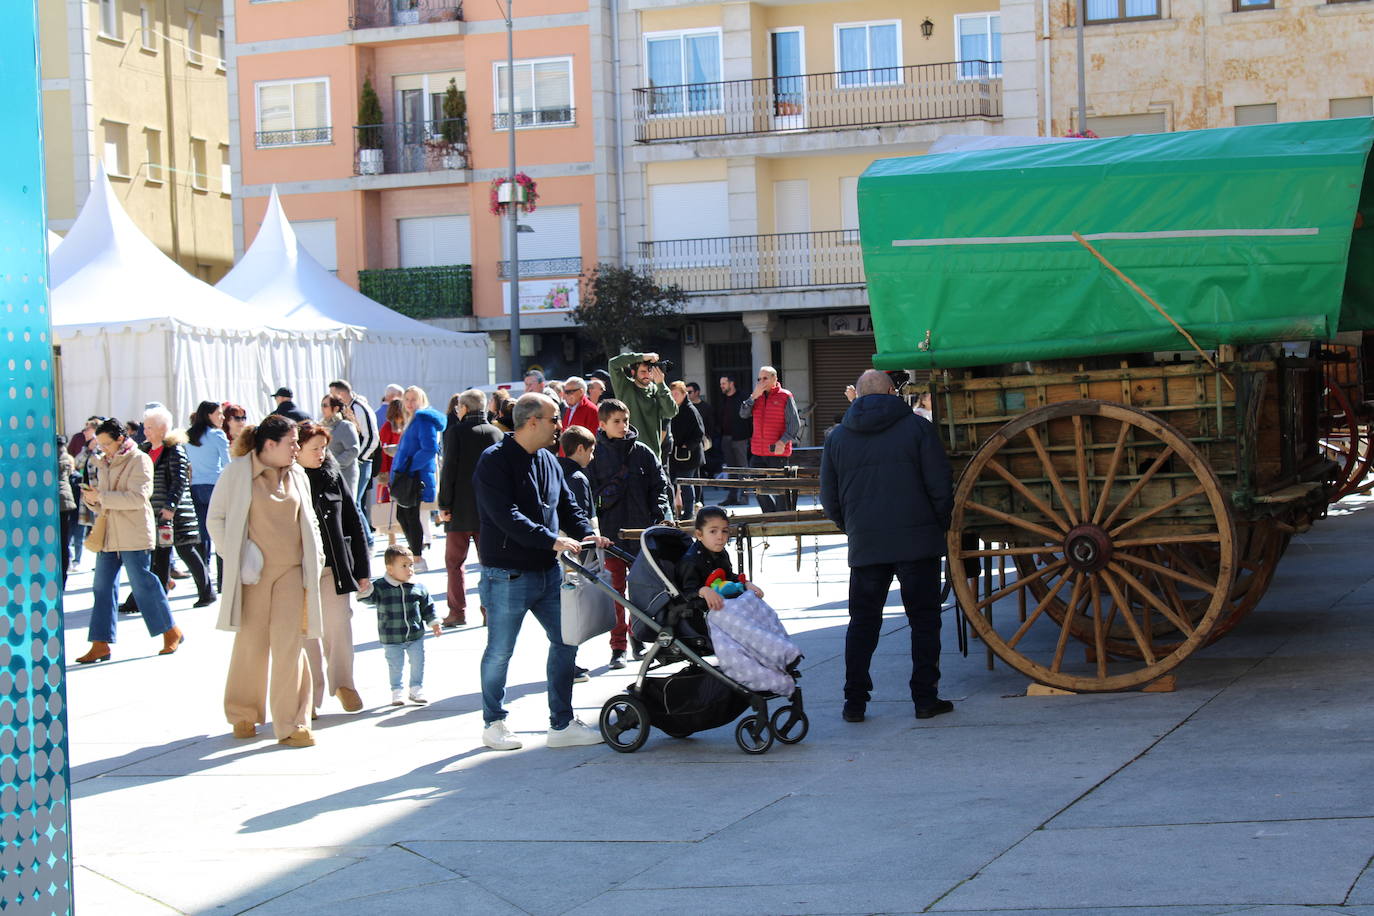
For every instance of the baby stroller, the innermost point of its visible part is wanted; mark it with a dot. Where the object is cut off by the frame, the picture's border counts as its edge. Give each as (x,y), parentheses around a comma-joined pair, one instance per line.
(698,696)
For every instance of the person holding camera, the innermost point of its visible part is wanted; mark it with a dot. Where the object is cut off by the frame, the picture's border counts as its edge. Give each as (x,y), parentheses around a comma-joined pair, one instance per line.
(637,380)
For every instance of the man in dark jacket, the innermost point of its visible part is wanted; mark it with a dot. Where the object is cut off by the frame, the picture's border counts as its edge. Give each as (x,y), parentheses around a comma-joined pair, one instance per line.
(464,443)
(735,432)
(522,504)
(886,482)
(631,491)
(287,407)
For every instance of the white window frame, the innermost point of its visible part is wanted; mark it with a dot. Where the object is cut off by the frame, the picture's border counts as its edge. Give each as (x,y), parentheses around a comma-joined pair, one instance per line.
(200,171)
(869,81)
(680,35)
(500,99)
(226,171)
(194,55)
(257,111)
(121,169)
(994,67)
(147,34)
(223,48)
(110,20)
(154,170)
(1158,14)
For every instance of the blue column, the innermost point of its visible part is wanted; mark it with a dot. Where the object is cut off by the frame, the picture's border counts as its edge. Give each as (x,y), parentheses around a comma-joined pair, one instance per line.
(35,839)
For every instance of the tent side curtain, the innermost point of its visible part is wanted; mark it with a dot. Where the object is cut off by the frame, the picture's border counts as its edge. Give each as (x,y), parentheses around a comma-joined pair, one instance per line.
(442,367)
(1241,234)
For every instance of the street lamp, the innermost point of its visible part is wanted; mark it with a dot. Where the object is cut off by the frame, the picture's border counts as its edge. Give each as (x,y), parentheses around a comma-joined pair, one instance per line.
(512,208)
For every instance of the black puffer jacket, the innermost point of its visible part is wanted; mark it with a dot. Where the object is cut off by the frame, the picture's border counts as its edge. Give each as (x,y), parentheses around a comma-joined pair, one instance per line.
(172,488)
(629,487)
(464,443)
(688,434)
(341,528)
(886,482)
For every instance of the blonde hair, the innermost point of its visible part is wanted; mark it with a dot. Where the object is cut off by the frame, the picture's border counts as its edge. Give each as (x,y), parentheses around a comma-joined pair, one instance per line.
(679,386)
(421,397)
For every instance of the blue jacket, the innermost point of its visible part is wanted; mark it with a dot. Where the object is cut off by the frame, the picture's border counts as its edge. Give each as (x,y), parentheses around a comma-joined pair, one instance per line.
(209,459)
(579,485)
(522,503)
(419,447)
(886,482)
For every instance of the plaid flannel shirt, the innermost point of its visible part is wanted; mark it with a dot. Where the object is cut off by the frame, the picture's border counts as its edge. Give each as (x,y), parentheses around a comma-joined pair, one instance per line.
(403,610)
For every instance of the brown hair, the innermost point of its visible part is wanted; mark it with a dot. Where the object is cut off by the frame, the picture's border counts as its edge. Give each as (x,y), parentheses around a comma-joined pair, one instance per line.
(273,428)
(309,429)
(574,438)
(609,407)
(395,552)
(395,412)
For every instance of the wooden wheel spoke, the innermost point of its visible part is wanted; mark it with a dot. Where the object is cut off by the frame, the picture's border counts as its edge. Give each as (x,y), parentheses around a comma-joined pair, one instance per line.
(1051,473)
(1066,624)
(1152,598)
(1112,468)
(1026,493)
(1171,573)
(1080,460)
(1041,530)
(1188,565)
(1119,600)
(1139,484)
(1051,595)
(1099,627)
(1168,539)
(1162,507)
(1008,552)
(1020,583)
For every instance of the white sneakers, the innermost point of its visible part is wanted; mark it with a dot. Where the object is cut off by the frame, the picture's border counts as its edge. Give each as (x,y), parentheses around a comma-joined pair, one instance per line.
(417,696)
(398,697)
(576,734)
(498,737)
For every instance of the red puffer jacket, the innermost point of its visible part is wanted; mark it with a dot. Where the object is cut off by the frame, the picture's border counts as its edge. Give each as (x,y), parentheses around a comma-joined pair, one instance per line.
(770,422)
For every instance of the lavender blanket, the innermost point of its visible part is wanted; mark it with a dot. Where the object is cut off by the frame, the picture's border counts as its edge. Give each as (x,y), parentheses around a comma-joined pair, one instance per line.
(751,645)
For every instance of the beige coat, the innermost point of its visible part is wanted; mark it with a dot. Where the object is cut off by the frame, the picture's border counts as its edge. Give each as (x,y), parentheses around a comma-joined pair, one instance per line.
(227,521)
(125,482)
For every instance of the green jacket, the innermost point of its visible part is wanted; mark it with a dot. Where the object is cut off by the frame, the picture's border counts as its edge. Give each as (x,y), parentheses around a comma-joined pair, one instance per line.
(650,408)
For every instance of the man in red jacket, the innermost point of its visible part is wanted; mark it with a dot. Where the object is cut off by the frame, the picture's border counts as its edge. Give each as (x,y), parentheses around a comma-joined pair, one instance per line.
(776,424)
(580,409)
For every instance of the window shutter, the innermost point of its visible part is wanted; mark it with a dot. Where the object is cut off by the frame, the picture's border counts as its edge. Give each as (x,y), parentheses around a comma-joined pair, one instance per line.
(317,236)
(1266,113)
(849,203)
(435,241)
(1152,122)
(556,235)
(694,210)
(1359,107)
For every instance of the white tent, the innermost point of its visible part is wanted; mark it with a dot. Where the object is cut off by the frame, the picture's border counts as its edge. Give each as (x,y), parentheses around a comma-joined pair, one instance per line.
(134,327)
(278,275)
(53,241)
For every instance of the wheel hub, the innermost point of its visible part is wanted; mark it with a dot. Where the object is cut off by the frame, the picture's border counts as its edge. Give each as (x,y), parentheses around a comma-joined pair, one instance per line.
(1087,548)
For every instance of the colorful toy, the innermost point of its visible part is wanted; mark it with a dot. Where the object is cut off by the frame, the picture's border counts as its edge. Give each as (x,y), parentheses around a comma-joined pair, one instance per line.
(723,586)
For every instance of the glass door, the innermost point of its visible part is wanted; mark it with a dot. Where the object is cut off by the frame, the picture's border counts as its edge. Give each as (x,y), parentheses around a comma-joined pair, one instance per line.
(789,81)
(413,129)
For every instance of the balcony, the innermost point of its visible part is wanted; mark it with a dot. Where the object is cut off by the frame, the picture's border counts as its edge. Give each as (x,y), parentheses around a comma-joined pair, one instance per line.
(421,292)
(413,146)
(756,262)
(543,267)
(377,14)
(303,136)
(820,101)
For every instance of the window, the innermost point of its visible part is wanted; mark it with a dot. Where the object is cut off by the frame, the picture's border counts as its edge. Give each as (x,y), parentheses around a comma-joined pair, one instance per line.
(849,204)
(684,71)
(438,241)
(293,112)
(979,38)
(868,53)
(109,19)
(1242,5)
(317,237)
(200,167)
(226,172)
(147,32)
(1151,122)
(193,55)
(697,211)
(1267,113)
(221,46)
(1120,10)
(1358,107)
(543,93)
(557,235)
(152,142)
(116,148)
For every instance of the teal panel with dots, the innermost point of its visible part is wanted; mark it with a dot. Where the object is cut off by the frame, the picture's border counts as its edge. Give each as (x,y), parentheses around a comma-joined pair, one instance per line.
(35,838)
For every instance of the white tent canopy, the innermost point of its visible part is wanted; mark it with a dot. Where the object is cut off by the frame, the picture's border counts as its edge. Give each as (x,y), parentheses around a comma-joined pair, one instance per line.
(134,327)
(278,276)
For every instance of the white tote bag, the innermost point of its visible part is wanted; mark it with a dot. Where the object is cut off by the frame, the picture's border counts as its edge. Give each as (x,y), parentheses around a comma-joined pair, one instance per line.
(587,610)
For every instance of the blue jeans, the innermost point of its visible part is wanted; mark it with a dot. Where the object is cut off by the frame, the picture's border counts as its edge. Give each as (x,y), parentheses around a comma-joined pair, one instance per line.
(152,600)
(396,655)
(507,594)
(200,497)
(365,496)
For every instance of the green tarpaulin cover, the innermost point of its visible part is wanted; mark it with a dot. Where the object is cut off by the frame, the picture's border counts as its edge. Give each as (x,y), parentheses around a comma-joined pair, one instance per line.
(1242,234)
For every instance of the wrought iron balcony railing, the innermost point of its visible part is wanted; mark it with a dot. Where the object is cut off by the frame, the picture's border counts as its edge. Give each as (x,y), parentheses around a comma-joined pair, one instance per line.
(543,267)
(300,136)
(539,117)
(412,146)
(748,262)
(820,101)
(421,292)
(374,14)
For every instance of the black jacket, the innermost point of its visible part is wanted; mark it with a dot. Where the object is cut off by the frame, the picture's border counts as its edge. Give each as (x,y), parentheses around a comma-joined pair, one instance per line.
(522,503)
(172,489)
(464,443)
(688,434)
(293,413)
(696,567)
(340,526)
(579,484)
(629,487)
(886,482)
(728,420)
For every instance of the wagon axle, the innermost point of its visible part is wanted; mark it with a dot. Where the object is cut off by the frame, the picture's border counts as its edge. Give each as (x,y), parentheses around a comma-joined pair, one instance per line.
(1088,548)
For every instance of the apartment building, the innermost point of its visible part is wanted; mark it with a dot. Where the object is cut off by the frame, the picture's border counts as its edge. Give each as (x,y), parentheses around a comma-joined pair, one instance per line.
(745,127)
(140,87)
(403,208)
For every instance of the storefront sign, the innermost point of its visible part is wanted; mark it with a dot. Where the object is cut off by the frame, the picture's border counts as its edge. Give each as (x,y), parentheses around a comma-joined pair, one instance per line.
(537,296)
(849,325)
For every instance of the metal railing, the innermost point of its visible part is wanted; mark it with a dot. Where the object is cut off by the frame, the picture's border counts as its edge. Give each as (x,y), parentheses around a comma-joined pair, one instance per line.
(820,101)
(297,137)
(539,117)
(421,292)
(543,267)
(412,146)
(375,14)
(747,262)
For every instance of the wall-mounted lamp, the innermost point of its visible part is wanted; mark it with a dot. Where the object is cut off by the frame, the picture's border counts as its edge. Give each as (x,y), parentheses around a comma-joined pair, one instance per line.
(927,29)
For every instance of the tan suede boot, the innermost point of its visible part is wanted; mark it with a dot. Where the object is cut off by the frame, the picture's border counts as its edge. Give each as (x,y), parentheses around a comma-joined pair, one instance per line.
(99,652)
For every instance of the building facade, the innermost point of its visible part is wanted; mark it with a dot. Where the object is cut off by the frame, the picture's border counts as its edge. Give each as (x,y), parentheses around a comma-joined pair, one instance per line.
(139,86)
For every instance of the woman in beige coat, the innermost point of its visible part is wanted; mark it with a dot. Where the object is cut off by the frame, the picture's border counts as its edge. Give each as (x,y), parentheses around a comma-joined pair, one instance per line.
(263,526)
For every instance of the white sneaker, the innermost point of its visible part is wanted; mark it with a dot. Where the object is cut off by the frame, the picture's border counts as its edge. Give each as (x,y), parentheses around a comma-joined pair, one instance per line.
(417,695)
(576,734)
(498,737)
(398,697)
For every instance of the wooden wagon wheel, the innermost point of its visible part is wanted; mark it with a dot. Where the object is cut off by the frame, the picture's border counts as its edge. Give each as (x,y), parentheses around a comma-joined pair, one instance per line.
(1086,523)
(1342,440)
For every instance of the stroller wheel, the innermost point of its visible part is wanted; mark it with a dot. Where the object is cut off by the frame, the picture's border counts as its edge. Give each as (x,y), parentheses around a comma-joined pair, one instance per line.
(789,725)
(754,736)
(625,723)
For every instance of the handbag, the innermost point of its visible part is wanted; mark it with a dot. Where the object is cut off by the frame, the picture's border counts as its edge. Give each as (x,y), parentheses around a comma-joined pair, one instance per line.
(406,489)
(587,609)
(95,539)
(250,565)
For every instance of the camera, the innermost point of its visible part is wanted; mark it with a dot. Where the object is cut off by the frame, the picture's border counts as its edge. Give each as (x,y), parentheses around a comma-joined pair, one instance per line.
(663,365)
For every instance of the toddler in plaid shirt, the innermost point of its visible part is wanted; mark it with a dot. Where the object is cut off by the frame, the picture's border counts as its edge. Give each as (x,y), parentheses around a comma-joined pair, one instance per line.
(403,610)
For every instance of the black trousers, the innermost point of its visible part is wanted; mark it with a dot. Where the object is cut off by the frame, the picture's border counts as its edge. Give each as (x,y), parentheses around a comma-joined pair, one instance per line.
(409,520)
(868,588)
(67,524)
(161,566)
(785,501)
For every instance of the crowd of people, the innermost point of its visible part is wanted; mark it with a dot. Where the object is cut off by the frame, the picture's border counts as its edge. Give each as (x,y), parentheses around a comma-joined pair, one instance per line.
(278,522)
